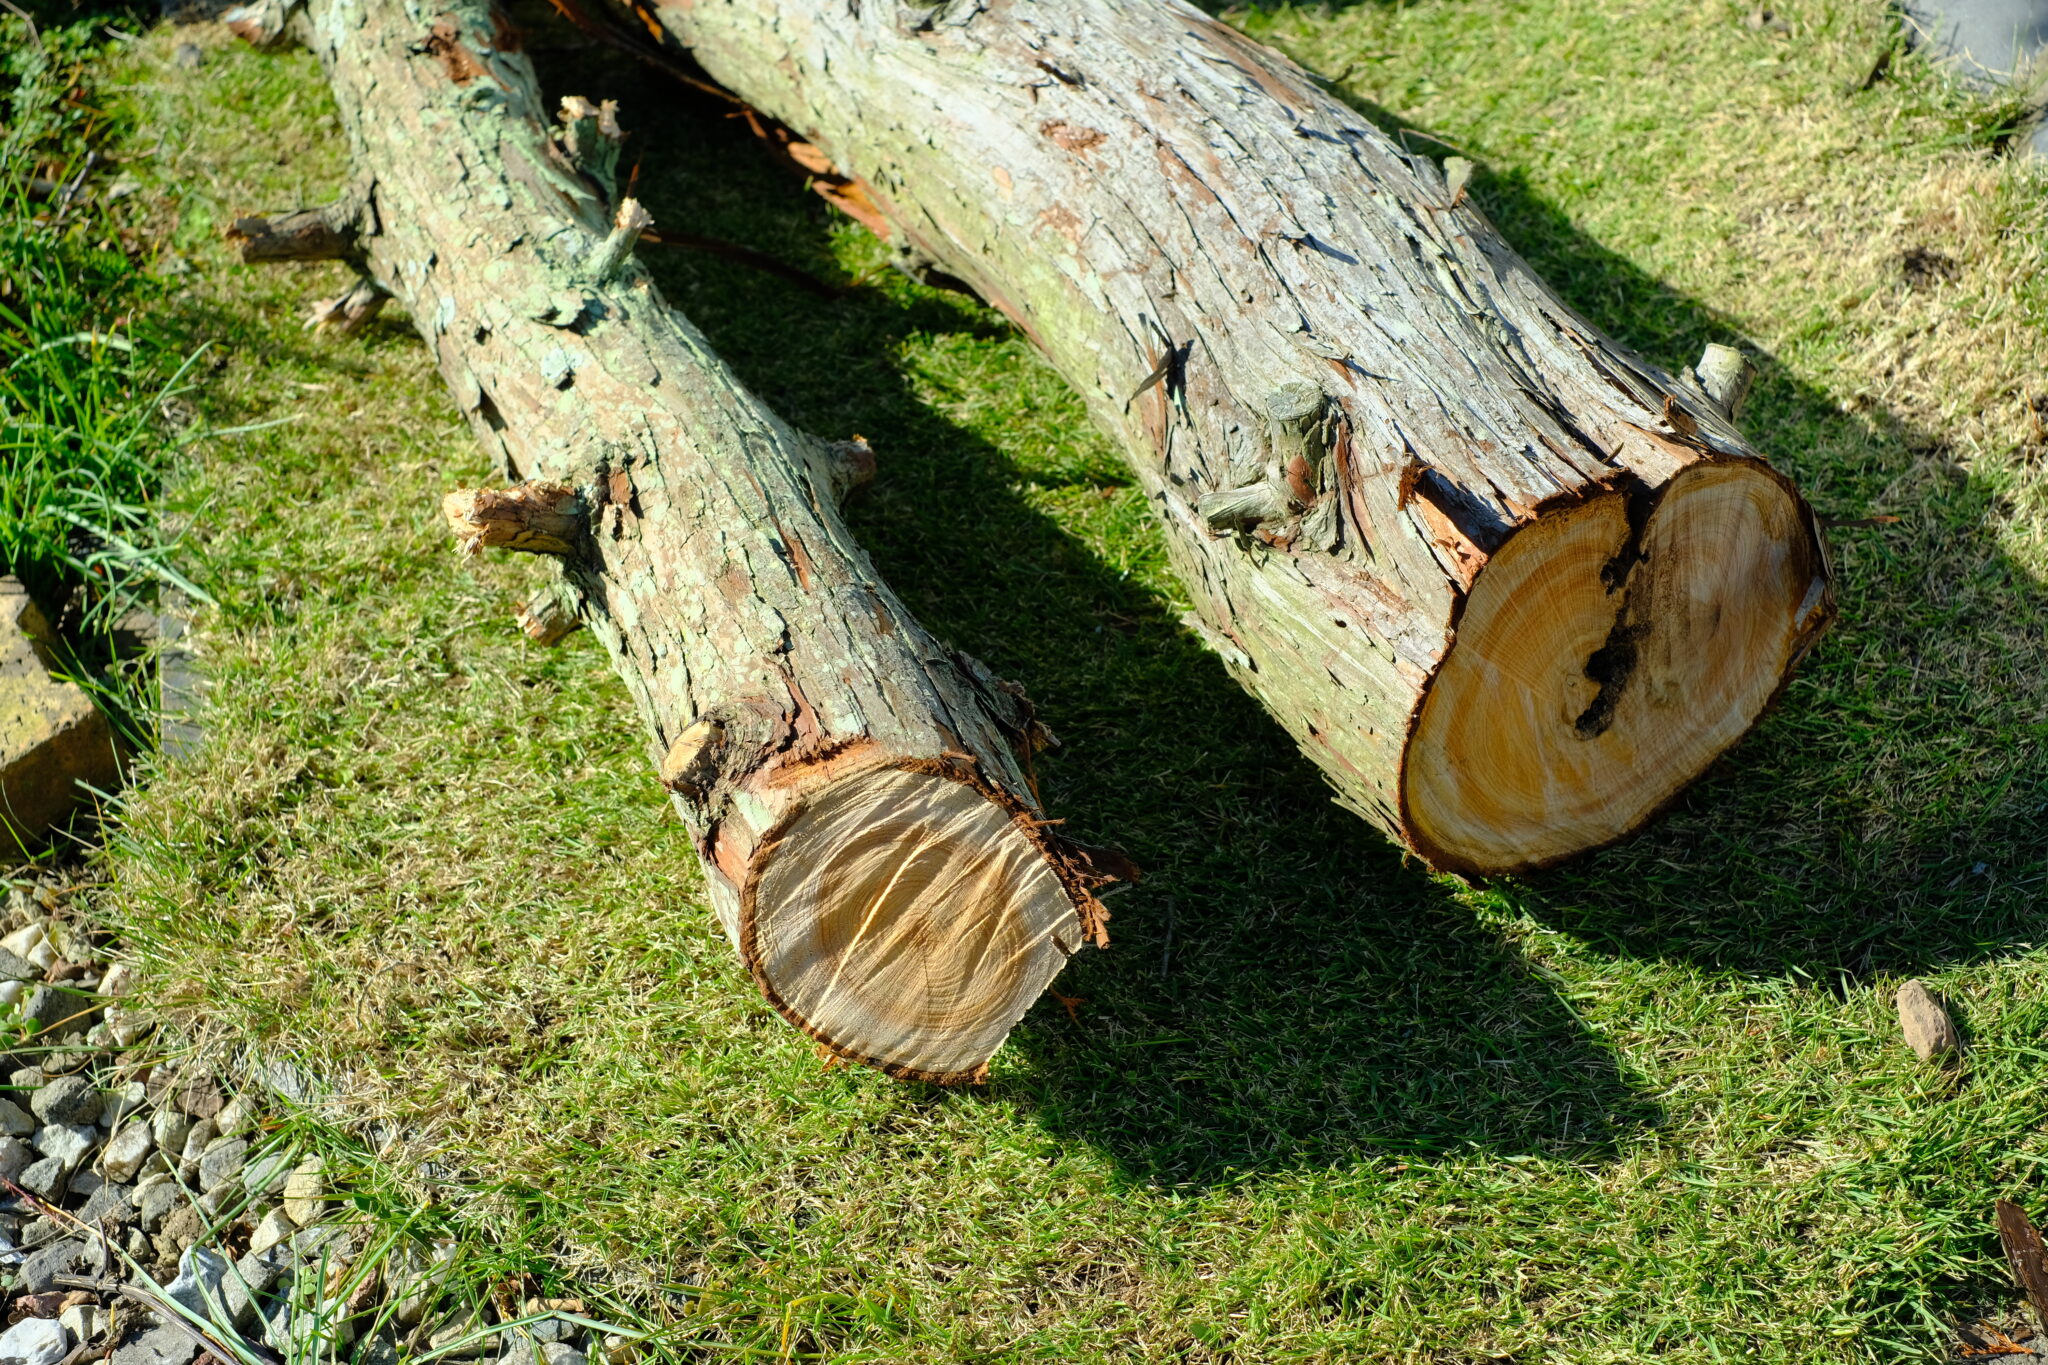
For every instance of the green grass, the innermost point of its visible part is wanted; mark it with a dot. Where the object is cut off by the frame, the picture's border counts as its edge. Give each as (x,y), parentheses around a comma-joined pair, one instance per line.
(89,394)
(1317,1105)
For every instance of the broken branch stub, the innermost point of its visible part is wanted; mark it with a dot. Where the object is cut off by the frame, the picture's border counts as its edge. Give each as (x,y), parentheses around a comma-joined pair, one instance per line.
(539,518)
(591,139)
(553,614)
(1511,587)
(854,791)
(327,233)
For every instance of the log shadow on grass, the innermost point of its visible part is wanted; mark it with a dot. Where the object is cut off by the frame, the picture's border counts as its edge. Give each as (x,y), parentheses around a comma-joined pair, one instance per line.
(1284,990)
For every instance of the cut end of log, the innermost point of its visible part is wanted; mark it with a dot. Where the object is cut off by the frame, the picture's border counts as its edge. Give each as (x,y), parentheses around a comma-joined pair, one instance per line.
(1598,669)
(906,920)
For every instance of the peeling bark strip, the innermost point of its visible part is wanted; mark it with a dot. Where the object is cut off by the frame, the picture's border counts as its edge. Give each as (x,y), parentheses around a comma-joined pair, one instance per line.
(1509,586)
(857,791)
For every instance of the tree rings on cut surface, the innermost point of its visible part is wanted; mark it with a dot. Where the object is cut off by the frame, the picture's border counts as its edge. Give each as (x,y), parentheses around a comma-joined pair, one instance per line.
(907,920)
(1598,669)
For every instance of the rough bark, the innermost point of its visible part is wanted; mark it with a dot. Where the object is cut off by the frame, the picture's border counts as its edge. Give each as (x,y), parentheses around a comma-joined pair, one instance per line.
(859,794)
(1509,586)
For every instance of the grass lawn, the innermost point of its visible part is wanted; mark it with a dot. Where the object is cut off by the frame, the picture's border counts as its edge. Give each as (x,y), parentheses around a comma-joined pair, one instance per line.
(1317,1105)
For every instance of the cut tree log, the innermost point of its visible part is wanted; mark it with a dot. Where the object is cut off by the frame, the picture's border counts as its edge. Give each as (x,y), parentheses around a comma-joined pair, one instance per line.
(859,794)
(1509,586)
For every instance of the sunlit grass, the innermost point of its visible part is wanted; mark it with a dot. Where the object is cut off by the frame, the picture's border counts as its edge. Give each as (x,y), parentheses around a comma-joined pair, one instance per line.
(1317,1105)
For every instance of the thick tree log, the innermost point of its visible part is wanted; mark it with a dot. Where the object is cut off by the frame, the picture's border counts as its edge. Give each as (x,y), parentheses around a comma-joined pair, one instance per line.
(859,794)
(1509,586)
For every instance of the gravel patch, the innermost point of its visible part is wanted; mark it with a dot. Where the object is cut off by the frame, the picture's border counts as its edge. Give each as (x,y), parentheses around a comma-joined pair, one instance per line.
(130,1165)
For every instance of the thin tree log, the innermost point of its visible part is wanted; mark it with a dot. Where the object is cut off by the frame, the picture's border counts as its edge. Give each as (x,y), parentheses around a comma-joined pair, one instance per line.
(1509,586)
(858,793)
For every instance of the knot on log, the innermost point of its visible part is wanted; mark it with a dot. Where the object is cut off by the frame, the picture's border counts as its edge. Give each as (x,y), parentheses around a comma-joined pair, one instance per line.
(538,518)
(1296,473)
(691,765)
(841,467)
(1242,509)
(590,138)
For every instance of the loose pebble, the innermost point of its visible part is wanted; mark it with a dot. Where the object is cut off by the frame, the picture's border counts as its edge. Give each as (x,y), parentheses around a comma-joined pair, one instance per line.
(267,1174)
(200,1272)
(67,1100)
(40,1270)
(221,1162)
(44,1179)
(107,1204)
(197,1141)
(13,1121)
(276,1227)
(126,1151)
(1929,1030)
(171,1129)
(15,1157)
(69,1143)
(256,1276)
(83,1320)
(121,1101)
(155,1203)
(35,1341)
(52,1009)
(127,1026)
(305,1192)
(32,943)
(160,1345)
(119,980)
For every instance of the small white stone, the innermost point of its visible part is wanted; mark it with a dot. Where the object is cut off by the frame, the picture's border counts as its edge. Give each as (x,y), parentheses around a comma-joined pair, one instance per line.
(119,980)
(171,1129)
(126,1151)
(305,1193)
(68,941)
(118,1103)
(236,1117)
(32,944)
(275,1227)
(35,1341)
(11,993)
(127,1025)
(82,1320)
